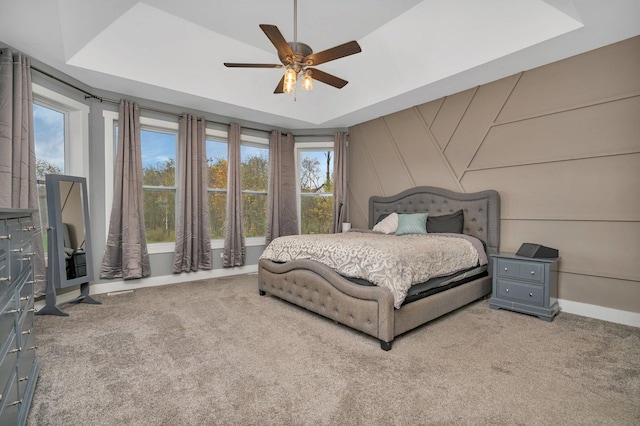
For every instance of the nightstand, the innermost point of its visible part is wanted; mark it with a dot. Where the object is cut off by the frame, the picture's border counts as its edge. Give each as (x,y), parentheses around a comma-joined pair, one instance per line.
(526,285)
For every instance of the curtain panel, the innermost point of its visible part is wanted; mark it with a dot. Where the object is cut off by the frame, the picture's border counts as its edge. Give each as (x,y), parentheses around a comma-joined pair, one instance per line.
(125,254)
(282,215)
(234,248)
(18,184)
(340,188)
(193,242)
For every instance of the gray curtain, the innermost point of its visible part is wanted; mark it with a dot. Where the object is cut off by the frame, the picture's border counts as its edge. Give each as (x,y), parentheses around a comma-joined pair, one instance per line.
(193,242)
(234,250)
(18,185)
(282,216)
(340,194)
(125,255)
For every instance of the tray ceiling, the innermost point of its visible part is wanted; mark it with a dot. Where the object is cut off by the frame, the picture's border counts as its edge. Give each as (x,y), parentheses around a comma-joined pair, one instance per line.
(413,51)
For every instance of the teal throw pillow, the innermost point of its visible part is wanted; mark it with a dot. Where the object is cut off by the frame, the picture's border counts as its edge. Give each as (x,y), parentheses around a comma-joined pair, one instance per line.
(414,223)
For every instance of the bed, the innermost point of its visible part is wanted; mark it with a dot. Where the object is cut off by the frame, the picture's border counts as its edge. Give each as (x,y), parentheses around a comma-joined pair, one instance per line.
(370,308)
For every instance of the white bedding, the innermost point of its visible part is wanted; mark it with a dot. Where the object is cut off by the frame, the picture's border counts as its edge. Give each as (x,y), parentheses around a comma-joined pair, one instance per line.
(390,261)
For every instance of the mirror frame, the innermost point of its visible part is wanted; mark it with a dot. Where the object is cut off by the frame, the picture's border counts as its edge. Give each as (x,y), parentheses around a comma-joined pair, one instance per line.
(56,248)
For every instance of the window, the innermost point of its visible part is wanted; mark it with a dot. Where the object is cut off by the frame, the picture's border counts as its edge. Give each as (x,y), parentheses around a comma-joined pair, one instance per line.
(158,141)
(315,187)
(49,130)
(254,166)
(217,162)
(158,149)
(159,159)
(254,170)
(61,128)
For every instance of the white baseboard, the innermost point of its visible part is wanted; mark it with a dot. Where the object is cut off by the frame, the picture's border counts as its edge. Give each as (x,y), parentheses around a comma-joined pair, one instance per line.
(600,312)
(122,285)
(577,308)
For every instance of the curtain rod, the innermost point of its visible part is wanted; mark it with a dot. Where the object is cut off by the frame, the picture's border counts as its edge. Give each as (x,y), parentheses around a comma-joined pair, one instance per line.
(89,95)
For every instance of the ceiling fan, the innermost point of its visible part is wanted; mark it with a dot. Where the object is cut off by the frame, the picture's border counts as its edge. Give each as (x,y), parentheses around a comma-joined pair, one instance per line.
(298,59)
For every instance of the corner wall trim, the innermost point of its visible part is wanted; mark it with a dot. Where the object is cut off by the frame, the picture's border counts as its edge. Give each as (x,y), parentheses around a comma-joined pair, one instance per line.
(600,312)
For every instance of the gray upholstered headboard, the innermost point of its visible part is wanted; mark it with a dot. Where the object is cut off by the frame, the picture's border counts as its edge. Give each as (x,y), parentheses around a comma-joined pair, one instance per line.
(481,209)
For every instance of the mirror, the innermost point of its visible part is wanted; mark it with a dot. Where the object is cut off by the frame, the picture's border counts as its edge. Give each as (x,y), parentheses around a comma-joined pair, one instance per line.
(68,239)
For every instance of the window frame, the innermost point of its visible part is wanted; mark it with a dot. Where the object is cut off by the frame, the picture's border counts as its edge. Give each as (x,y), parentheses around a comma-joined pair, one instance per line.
(305,147)
(76,128)
(258,142)
(146,123)
(111,120)
(151,126)
(76,133)
(221,136)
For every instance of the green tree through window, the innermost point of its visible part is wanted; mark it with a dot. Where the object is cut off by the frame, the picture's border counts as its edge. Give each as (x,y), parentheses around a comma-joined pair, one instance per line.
(315,171)
(159,184)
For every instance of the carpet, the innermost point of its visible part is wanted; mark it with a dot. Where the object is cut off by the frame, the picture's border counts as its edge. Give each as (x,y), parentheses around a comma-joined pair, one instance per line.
(214,352)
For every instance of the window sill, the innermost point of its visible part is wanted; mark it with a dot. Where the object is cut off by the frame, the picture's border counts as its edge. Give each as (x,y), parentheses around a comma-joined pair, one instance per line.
(156,248)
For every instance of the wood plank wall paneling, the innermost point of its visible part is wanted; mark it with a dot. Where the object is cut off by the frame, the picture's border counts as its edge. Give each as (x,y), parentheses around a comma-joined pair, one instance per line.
(561,143)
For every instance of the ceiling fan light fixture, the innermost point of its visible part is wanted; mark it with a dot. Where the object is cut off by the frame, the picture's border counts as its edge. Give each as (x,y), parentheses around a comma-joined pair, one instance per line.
(290,76)
(288,88)
(307,81)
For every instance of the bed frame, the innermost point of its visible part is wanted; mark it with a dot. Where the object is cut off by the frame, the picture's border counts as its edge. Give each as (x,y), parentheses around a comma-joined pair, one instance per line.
(369,309)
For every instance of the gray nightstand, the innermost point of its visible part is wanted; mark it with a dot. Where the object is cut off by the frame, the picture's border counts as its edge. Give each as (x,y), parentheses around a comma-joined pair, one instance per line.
(526,285)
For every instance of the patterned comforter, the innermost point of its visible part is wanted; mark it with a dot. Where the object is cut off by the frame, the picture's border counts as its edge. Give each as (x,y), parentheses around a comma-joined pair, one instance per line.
(390,261)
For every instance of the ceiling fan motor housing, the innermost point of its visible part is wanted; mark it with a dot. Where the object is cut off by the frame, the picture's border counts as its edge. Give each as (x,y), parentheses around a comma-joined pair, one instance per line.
(301,51)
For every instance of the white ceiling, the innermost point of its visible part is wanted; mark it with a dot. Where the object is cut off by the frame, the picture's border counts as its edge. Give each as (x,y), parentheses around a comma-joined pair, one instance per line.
(413,51)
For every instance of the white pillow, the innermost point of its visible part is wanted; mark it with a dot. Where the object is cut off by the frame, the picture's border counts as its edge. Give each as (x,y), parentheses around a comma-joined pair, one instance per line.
(388,225)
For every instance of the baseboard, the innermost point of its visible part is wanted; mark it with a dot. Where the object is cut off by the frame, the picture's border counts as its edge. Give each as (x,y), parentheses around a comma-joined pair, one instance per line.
(571,307)
(122,285)
(600,312)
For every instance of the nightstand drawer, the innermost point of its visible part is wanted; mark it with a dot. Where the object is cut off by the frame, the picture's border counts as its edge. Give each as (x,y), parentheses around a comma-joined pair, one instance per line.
(523,270)
(517,291)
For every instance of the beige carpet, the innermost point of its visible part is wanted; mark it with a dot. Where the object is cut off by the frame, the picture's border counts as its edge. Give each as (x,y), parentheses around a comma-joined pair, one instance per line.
(215,352)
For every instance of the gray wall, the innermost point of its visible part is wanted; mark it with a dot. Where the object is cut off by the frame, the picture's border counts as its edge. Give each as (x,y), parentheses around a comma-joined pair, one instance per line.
(561,143)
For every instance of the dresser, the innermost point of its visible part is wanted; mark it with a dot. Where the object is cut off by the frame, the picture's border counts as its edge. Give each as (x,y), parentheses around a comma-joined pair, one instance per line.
(526,285)
(18,363)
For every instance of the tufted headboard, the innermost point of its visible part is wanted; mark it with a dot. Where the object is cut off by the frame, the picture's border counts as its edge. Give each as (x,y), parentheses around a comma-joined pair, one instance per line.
(481,209)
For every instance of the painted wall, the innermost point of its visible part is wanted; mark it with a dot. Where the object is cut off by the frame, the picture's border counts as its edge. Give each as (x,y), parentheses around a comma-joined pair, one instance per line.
(561,144)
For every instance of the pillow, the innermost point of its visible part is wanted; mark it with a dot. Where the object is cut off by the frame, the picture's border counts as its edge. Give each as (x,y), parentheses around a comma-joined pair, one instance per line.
(452,223)
(388,225)
(381,217)
(414,223)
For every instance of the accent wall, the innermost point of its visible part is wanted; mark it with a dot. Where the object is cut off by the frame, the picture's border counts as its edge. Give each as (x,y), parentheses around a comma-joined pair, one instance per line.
(560,143)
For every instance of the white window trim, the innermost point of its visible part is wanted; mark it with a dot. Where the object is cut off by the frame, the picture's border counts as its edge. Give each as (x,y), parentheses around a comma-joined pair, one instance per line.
(257,142)
(76,149)
(306,146)
(110,117)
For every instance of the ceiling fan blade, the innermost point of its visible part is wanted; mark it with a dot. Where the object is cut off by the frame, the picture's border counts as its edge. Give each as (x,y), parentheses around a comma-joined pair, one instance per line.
(284,50)
(280,86)
(327,78)
(346,49)
(235,65)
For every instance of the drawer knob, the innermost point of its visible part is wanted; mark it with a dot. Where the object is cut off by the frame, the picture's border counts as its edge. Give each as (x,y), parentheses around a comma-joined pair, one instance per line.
(533,272)
(506,290)
(530,294)
(506,269)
